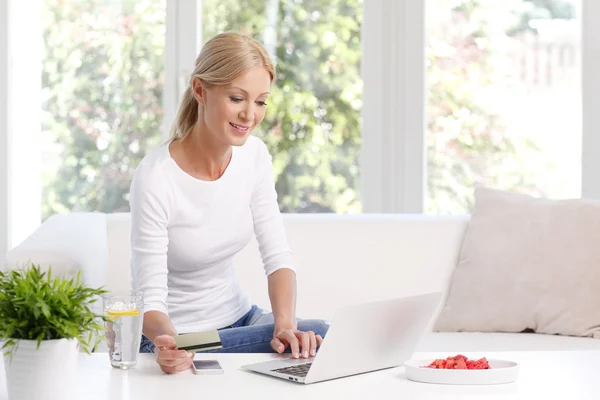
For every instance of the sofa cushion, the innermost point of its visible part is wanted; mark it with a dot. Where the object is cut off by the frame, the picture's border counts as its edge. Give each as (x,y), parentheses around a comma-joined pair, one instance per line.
(68,243)
(485,342)
(118,229)
(527,264)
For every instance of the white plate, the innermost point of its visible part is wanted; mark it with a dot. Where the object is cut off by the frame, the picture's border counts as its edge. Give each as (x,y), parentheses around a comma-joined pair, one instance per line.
(501,371)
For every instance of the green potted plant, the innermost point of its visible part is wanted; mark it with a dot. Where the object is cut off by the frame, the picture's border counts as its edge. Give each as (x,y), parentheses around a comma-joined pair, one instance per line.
(43,322)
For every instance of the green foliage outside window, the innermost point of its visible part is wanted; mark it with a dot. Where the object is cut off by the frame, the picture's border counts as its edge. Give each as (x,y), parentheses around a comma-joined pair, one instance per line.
(102,82)
(468,142)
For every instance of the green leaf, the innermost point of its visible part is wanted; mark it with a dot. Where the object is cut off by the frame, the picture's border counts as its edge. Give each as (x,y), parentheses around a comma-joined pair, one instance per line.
(8,343)
(45,309)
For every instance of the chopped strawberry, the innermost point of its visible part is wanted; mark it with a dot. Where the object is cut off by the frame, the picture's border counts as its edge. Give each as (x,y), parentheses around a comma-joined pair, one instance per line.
(460,362)
(450,362)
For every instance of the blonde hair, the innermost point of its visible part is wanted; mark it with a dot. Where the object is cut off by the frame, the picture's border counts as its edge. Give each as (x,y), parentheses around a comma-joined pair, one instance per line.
(222,60)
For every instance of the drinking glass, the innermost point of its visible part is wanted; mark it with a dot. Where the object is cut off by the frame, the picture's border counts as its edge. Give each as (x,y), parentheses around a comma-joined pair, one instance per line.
(124,312)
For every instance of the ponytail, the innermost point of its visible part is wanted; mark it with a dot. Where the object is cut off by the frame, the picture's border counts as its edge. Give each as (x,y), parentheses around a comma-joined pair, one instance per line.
(186,115)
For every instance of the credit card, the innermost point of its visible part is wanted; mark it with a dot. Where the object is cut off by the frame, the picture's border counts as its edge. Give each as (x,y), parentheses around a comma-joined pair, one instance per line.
(198,341)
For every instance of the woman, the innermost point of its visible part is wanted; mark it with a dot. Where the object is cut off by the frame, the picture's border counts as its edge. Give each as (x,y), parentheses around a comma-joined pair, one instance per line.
(195,202)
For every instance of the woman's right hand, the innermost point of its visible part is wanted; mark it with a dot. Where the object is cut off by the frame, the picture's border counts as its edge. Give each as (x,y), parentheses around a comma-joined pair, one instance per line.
(168,357)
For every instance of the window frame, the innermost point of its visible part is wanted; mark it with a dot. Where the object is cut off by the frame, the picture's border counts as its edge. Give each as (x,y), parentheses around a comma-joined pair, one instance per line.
(590,87)
(182,44)
(393,174)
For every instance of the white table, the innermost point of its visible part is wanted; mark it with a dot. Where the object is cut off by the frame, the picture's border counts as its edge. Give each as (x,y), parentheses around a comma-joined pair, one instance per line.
(543,374)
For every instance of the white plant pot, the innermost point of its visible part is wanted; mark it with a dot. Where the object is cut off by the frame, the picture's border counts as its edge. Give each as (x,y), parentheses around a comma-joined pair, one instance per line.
(46,373)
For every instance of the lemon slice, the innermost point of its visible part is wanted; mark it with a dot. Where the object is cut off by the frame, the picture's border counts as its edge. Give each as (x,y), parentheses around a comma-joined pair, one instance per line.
(117,314)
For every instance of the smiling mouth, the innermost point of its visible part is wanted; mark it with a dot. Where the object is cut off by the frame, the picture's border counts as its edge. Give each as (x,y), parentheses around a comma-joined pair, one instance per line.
(240,128)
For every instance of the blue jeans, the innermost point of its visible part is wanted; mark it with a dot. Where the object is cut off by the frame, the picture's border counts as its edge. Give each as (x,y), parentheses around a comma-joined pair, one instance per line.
(250,334)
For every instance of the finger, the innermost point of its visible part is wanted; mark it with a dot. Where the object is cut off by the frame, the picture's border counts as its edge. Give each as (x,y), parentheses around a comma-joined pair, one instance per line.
(277,345)
(168,370)
(304,343)
(319,340)
(178,368)
(292,340)
(175,362)
(165,341)
(186,365)
(172,354)
(313,343)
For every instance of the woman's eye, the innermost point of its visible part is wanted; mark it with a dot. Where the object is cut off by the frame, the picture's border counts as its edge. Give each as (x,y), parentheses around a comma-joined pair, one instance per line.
(236,99)
(261,103)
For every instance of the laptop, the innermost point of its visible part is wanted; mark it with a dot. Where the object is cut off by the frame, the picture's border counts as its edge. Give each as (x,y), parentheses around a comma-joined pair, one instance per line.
(362,338)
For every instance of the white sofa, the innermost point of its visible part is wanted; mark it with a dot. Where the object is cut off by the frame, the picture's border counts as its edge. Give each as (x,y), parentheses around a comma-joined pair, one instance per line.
(340,259)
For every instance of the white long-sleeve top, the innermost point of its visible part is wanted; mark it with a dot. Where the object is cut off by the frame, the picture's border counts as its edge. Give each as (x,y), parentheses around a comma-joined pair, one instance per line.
(185,232)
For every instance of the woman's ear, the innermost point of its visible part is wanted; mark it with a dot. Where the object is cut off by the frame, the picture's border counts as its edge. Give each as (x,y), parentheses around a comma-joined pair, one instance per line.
(199,90)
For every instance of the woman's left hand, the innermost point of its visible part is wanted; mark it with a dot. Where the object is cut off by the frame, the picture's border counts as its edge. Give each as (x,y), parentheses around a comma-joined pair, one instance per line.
(302,344)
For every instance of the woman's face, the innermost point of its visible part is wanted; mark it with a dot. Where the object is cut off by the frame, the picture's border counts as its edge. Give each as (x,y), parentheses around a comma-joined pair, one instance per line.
(232,112)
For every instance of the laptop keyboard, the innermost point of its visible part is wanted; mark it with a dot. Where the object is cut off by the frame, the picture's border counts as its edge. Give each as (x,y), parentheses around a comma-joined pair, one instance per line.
(295,370)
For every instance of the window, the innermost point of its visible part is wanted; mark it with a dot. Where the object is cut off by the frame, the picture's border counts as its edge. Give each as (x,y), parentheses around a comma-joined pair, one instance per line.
(102,87)
(504,100)
(312,126)
(456,93)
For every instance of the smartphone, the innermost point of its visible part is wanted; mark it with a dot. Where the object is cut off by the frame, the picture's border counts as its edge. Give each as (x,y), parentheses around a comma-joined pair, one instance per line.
(207,367)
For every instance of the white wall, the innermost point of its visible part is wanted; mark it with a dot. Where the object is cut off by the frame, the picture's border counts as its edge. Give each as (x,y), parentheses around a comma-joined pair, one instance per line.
(4,128)
(26,116)
(20,121)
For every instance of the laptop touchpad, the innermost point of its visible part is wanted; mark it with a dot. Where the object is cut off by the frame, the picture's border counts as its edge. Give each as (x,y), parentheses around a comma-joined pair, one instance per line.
(297,361)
